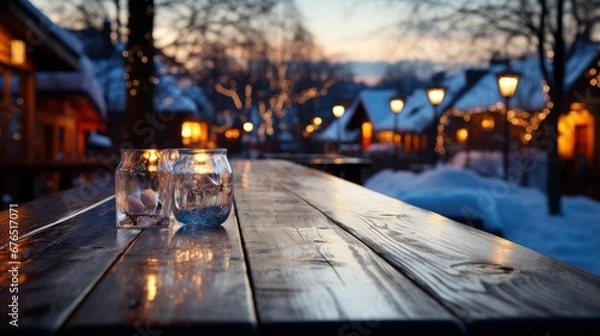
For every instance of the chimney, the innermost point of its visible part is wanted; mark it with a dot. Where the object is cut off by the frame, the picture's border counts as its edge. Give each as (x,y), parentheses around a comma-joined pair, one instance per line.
(107,44)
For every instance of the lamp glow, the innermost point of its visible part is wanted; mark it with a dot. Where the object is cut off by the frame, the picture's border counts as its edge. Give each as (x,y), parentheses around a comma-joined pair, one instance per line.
(248,127)
(436,95)
(396,104)
(507,84)
(338,111)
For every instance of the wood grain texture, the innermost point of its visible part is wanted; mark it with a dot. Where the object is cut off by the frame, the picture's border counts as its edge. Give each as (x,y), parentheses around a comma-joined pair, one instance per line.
(495,286)
(50,208)
(176,281)
(59,266)
(311,277)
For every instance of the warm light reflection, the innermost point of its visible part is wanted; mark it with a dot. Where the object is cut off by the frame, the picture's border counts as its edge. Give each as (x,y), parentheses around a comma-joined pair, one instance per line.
(199,257)
(502,252)
(201,163)
(151,155)
(246,174)
(317,121)
(151,287)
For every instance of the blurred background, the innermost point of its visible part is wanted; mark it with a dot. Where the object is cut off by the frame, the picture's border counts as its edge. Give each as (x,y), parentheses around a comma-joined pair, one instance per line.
(262,78)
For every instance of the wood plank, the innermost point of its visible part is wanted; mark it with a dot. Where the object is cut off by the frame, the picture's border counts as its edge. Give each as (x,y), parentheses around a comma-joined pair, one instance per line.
(494,285)
(55,207)
(58,267)
(173,281)
(311,277)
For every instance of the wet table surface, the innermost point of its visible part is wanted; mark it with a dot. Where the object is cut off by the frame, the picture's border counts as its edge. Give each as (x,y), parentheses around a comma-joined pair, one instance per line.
(302,253)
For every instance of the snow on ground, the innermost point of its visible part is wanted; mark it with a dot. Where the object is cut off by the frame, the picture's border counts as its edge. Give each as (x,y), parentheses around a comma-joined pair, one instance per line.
(519,213)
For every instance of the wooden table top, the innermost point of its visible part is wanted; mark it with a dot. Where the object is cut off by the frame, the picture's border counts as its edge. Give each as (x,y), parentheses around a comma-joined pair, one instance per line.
(303,252)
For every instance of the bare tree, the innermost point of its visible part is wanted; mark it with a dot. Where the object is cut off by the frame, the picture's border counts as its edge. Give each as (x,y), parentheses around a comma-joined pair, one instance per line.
(139,70)
(515,28)
(250,54)
(79,14)
(254,53)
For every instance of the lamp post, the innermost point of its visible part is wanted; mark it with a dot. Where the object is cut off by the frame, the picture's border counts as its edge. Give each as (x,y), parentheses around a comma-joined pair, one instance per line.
(396,105)
(435,95)
(507,86)
(338,112)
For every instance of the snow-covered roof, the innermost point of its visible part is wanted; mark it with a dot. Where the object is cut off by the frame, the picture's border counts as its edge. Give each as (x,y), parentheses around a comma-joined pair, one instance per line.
(169,96)
(416,115)
(83,81)
(99,140)
(68,39)
(529,95)
(376,106)
(197,94)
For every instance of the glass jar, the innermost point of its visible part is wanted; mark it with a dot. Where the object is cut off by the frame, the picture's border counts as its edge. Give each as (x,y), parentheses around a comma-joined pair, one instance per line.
(144,187)
(202,187)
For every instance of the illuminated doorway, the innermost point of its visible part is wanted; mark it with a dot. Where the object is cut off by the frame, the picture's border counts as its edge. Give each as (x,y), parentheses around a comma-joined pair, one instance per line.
(576,133)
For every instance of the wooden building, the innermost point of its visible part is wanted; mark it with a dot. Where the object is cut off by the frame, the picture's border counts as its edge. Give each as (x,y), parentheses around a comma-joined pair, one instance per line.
(475,121)
(49,104)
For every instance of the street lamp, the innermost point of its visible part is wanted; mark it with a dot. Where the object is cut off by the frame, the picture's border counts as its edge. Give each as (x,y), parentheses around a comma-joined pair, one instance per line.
(338,112)
(435,95)
(248,126)
(396,105)
(507,86)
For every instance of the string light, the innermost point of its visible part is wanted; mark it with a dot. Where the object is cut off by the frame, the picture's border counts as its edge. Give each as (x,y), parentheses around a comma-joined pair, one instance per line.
(527,120)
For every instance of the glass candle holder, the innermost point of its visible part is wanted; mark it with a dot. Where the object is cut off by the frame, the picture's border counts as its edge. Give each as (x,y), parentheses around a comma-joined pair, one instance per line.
(202,187)
(144,187)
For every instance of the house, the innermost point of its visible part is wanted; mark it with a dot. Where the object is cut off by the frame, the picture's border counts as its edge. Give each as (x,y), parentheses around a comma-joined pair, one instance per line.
(35,55)
(49,103)
(370,125)
(475,121)
(72,111)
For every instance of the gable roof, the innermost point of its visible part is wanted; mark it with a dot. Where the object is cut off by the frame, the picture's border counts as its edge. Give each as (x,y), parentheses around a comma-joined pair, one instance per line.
(55,48)
(83,81)
(169,96)
(375,104)
(418,113)
(530,90)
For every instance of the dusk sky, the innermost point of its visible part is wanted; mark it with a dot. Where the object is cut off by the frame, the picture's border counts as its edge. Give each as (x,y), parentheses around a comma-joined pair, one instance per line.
(349,30)
(365,31)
